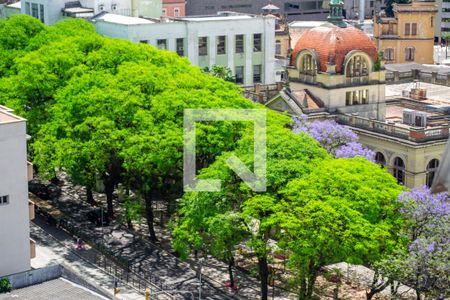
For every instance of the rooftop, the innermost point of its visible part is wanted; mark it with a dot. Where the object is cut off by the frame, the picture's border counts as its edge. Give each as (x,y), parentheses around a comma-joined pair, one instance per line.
(124,20)
(216,18)
(58,289)
(6,116)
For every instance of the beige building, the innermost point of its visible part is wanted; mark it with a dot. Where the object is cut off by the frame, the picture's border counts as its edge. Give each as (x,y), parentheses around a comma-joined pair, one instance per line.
(409,35)
(334,74)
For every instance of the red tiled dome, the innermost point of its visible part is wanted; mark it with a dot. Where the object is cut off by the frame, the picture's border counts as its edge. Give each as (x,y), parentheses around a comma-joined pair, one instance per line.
(332,43)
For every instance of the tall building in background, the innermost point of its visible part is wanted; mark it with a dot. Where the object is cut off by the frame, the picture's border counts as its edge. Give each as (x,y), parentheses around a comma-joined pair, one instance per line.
(16,248)
(409,36)
(294,10)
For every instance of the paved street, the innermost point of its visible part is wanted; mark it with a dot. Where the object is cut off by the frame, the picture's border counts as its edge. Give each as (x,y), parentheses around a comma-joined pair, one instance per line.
(156,264)
(57,248)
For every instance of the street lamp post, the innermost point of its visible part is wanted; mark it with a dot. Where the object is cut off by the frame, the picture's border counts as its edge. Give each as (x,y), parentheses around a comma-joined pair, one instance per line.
(200,261)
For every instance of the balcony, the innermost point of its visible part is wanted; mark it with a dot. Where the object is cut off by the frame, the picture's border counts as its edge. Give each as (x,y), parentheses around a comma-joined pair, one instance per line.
(357,80)
(414,134)
(31,210)
(29,171)
(307,78)
(32,248)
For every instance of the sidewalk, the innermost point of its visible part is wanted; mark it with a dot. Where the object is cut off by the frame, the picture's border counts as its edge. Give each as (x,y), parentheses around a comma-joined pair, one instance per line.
(57,248)
(156,262)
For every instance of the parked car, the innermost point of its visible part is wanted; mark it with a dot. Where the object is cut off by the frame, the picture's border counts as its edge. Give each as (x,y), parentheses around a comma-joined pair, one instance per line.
(45,191)
(96,216)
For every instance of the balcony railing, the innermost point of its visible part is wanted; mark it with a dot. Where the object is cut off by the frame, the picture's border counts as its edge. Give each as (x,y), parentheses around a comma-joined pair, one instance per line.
(415,134)
(29,171)
(357,80)
(307,78)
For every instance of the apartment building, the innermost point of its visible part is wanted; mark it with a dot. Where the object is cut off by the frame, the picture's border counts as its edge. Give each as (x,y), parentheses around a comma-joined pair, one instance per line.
(16,248)
(244,43)
(408,37)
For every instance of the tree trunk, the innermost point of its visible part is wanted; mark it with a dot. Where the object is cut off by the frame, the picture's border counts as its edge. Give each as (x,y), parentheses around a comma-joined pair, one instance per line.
(109,190)
(150,216)
(89,196)
(230,271)
(264,274)
(418,295)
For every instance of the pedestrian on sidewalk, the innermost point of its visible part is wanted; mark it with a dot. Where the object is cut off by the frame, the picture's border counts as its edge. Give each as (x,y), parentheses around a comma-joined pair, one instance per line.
(79,245)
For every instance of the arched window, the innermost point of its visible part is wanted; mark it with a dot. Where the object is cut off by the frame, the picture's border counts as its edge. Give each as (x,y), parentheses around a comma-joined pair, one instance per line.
(431,171)
(399,170)
(357,66)
(379,159)
(409,53)
(308,65)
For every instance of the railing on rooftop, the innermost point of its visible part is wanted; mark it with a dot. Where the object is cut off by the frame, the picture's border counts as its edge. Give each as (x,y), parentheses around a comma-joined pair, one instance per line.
(414,134)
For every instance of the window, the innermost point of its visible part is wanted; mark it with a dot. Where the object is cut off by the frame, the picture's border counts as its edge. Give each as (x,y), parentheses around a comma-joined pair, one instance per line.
(308,65)
(357,66)
(164,12)
(388,54)
(278,47)
(27,8)
(399,170)
(409,53)
(380,159)
(407,29)
(257,42)
(431,171)
(176,12)
(4,200)
(143,41)
(221,45)
(180,46)
(357,97)
(432,22)
(34,10)
(257,69)
(240,43)
(414,29)
(239,73)
(203,46)
(161,44)
(41,13)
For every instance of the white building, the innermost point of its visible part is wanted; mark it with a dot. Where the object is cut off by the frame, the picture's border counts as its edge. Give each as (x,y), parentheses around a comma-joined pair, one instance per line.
(51,11)
(16,248)
(244,43)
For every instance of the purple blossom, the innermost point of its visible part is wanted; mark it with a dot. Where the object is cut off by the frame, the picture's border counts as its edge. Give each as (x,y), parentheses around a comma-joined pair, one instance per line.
(337,139)
(354,149)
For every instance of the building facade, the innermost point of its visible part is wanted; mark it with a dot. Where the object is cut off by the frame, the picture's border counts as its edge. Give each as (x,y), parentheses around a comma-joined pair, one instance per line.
(51,11)
(174,8)
(334,74)
(409,36)
(243,43)
(15,209)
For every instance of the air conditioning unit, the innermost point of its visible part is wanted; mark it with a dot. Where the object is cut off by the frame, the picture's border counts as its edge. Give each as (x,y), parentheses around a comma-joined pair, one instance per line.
(415,118)
(408,116)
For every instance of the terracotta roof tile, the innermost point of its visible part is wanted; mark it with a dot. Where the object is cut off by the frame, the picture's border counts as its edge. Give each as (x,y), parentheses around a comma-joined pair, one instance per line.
(332,43)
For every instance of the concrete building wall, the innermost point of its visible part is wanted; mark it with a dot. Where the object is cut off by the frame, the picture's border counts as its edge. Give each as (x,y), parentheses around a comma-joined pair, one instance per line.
(191,31)
(14,218)
(351,8)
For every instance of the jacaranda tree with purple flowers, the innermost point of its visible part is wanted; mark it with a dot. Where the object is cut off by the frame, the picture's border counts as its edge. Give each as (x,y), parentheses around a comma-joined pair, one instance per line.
(338,140)
(424,263)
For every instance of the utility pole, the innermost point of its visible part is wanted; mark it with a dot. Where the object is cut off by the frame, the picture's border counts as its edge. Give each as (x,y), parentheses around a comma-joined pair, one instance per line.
(200,261)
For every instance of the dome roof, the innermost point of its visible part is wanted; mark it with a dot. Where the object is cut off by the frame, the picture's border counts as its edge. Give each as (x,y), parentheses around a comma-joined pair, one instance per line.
(333,43)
